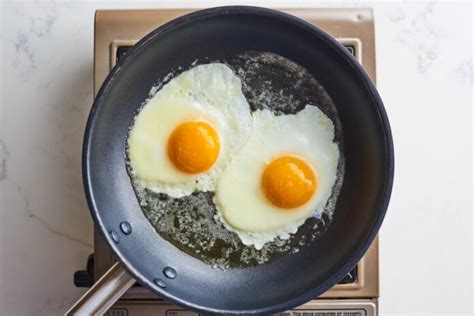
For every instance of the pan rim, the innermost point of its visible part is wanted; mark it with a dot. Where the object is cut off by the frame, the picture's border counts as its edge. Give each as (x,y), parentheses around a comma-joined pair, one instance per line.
(305,26)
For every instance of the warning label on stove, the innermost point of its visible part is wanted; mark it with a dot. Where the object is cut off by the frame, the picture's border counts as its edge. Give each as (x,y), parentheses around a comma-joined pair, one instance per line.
(352,312)
(323,313)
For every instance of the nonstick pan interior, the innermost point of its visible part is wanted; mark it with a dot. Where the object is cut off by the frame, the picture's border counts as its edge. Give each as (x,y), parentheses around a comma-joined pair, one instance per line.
(288,281)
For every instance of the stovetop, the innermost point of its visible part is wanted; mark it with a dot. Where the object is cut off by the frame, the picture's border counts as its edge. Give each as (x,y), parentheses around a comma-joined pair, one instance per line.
(115,32)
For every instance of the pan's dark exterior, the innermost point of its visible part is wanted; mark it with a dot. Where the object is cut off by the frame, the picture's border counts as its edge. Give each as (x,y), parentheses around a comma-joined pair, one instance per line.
(287,281)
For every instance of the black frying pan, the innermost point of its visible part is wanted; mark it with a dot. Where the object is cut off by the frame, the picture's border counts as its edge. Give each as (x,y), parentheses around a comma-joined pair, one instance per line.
(287,281)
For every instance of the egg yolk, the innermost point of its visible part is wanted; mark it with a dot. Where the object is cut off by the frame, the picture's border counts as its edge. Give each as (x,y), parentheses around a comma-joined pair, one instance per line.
(193,147)
(289,182)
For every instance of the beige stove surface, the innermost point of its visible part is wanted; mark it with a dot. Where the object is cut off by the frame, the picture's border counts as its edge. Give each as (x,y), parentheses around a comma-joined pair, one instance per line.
(313,308)
(351,27)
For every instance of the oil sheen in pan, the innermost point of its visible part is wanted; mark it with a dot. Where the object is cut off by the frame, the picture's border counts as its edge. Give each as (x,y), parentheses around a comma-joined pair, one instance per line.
(269,82)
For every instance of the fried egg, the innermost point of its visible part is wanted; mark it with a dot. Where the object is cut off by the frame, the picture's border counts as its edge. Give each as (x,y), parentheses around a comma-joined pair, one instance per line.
(185,135)
(283,175)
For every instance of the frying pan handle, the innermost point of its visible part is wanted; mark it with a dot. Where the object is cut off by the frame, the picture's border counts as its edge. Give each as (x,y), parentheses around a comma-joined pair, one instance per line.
(104,293)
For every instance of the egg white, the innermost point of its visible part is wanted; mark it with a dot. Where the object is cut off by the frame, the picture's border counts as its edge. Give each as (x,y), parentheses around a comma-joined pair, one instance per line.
(210,93)
(240,200)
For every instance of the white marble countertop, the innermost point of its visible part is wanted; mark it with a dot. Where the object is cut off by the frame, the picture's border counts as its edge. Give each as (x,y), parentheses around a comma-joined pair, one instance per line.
(425,77)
